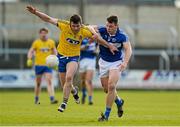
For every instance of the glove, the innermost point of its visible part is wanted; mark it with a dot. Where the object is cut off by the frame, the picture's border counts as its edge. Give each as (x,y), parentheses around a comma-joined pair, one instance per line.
(29,62)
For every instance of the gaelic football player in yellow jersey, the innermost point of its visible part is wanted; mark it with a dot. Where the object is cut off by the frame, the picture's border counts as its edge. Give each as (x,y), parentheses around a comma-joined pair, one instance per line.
(41,48)
(72,34)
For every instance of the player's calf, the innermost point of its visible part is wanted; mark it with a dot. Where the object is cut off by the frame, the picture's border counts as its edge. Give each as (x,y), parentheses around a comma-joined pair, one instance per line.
(74,91)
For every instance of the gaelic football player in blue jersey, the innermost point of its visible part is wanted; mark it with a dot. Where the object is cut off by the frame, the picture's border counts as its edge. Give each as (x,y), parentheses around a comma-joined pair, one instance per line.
(111,65)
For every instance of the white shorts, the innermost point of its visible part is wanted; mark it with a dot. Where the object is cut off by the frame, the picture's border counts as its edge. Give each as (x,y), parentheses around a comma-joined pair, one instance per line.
(105,66)
(87,64)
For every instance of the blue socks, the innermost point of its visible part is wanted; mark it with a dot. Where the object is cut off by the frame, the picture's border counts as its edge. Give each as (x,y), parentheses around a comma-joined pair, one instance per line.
(107,112)
(36,99)
(84,92)
(118,101)
(51,98)
(90,98)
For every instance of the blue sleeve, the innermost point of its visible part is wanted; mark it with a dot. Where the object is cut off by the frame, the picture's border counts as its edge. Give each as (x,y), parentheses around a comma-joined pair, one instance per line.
(125,37)
(101,29)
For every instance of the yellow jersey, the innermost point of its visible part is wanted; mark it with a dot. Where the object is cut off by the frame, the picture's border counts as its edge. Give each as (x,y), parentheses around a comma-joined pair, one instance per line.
(70,43)
(42,50)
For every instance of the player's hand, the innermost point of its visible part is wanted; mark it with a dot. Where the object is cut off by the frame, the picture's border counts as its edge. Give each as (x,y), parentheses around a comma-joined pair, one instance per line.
(112,48)
(31,9)
(122,66)
(29,62)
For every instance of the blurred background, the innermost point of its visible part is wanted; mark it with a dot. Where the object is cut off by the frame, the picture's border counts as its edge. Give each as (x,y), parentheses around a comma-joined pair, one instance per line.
(153,27)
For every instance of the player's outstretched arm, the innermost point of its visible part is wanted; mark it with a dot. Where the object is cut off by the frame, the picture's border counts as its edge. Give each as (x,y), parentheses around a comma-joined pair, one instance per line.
(41,15)
(101,41)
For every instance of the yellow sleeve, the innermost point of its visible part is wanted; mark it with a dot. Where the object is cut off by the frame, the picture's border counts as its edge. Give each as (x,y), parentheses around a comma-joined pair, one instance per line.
(34,45)
(62,24)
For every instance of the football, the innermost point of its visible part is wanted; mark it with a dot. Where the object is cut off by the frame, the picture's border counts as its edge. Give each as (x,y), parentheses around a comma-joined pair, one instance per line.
(52,61)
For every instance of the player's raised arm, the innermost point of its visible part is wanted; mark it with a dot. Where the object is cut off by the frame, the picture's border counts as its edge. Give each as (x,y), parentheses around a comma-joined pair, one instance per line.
(41,15)
(100,40)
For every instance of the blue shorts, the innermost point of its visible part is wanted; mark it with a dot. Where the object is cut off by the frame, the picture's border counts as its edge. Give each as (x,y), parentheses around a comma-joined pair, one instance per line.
(63,61)
(39,70)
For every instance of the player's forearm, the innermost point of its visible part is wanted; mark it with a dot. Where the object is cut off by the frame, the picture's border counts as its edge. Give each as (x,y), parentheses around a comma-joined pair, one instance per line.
(42,16)
(93,28)
(97,36)
(103,42)
(30,54)
(128,53)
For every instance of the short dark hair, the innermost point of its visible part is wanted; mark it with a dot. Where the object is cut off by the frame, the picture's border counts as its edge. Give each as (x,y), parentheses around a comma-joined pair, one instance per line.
(43,29)
(76,19)
(112,19)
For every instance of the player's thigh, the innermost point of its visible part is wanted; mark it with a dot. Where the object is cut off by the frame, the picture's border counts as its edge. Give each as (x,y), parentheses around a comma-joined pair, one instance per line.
(48,76)
(89,75)
(71,69)
(62,78)
(104,83)
(113,77)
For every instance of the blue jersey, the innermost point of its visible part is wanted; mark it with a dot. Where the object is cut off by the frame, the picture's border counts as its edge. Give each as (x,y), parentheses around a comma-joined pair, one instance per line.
(118,39)
(90,51)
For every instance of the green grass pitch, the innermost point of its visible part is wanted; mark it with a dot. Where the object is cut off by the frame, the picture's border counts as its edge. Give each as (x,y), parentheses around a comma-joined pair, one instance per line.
(147,108)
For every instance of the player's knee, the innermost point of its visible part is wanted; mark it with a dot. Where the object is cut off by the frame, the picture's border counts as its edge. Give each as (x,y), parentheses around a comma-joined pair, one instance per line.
(105,88)
(88,82)
(49,83)
(69,78)
(38,84)
(111,88)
